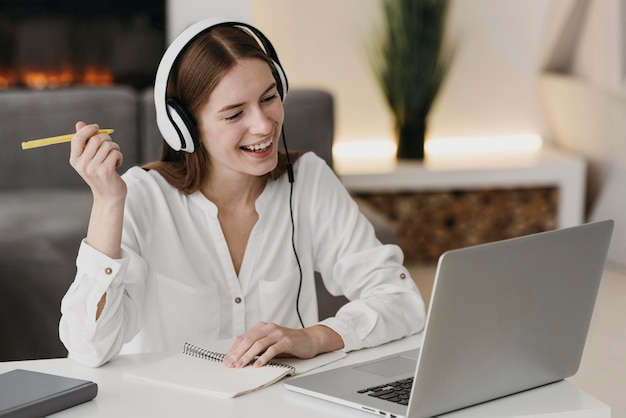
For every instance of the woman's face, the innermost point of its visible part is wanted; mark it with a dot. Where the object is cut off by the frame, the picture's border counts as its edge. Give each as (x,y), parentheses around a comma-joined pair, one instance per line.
(241,122)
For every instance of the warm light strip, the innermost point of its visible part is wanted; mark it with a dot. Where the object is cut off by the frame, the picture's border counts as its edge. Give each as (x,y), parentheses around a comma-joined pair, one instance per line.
(364,156)
(364,149)
(496,145)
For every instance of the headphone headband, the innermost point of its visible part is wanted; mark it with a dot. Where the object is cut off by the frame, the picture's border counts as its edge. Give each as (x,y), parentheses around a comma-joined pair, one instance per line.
(175,124)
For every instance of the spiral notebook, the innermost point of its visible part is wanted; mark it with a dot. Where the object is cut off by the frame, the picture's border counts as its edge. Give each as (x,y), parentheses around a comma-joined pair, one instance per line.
(199,368)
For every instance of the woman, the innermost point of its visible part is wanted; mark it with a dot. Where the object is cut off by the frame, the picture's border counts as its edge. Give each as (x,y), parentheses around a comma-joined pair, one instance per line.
(222,236)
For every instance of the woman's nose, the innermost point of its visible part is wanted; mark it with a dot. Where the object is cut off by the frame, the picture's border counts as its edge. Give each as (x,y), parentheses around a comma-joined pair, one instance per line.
(260,122)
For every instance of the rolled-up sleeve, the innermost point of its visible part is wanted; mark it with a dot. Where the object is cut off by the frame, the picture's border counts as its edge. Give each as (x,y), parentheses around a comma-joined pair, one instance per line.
(385,304)
(89,341)
(383,312)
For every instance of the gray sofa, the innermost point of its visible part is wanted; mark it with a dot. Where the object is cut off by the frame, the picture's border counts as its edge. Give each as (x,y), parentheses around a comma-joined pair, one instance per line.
(44,204)
(44,207)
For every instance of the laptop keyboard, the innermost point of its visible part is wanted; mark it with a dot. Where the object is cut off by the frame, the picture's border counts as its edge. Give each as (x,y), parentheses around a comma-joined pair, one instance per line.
(398,391)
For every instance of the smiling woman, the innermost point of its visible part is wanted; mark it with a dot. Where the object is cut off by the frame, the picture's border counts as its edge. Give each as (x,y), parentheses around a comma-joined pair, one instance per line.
(218,217)
(190,97)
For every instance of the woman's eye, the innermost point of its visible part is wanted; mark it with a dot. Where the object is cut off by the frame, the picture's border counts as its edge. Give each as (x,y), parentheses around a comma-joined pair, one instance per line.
(269,99)
(232,117)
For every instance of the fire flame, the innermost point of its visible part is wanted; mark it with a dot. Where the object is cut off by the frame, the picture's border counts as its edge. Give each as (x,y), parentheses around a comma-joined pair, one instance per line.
(94,76)
(49,79)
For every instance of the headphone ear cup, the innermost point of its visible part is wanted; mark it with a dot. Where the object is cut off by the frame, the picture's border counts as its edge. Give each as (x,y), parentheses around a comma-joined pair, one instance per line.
(185,127)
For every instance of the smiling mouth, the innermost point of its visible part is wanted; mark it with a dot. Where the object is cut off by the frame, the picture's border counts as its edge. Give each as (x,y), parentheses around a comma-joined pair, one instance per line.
(258,147)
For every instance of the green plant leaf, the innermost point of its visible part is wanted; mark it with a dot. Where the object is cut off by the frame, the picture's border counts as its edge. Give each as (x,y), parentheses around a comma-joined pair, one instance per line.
(409,58)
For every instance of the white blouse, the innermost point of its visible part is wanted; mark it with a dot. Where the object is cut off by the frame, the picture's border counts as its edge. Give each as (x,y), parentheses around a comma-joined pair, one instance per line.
(176,280)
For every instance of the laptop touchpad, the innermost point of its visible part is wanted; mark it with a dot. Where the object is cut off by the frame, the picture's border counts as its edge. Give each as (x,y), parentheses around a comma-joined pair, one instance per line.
(391,367)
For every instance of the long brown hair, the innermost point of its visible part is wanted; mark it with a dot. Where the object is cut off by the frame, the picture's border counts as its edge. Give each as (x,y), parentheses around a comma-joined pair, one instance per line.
(199,68)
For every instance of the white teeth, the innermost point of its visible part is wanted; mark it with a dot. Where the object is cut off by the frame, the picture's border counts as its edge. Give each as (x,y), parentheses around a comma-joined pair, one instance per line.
(258,147)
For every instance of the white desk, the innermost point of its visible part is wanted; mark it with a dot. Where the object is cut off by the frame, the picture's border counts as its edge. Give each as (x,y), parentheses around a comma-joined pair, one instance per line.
(118,396)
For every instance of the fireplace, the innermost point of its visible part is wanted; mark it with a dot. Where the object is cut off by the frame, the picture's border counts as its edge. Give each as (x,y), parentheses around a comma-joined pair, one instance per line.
(60,43)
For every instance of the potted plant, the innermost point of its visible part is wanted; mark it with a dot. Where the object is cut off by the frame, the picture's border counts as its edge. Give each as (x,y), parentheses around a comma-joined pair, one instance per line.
(410,64)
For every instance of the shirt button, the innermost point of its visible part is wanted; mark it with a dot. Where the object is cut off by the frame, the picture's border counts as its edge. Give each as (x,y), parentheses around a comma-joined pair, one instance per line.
(402,276)
(108,271)
(237,300)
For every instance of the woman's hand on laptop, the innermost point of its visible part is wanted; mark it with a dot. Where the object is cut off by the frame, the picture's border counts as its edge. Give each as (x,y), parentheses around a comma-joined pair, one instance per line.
(265,341)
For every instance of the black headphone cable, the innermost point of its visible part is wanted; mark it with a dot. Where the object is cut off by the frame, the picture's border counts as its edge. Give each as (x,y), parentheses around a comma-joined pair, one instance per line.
(293,224)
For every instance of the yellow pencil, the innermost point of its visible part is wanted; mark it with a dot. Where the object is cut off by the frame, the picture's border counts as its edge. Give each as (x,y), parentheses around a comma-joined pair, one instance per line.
(36,143)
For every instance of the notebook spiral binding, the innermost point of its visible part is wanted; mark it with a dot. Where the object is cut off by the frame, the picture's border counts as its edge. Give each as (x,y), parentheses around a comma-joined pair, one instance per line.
(202,353)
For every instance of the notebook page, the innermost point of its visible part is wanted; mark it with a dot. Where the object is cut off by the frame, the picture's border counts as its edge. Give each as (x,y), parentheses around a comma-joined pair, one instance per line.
(208,377)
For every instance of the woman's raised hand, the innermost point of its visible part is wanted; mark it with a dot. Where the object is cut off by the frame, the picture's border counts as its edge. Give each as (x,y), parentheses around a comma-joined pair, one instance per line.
(95,157)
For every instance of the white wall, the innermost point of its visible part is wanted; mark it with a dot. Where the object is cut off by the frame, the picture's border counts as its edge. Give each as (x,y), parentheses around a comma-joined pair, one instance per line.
(181,13)
(492,87)
(322,44)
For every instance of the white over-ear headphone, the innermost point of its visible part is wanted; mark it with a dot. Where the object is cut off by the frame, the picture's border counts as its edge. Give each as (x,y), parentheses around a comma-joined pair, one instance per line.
(174,122)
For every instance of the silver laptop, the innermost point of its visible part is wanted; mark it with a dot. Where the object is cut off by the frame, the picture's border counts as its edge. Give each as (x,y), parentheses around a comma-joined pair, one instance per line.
(504,317)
